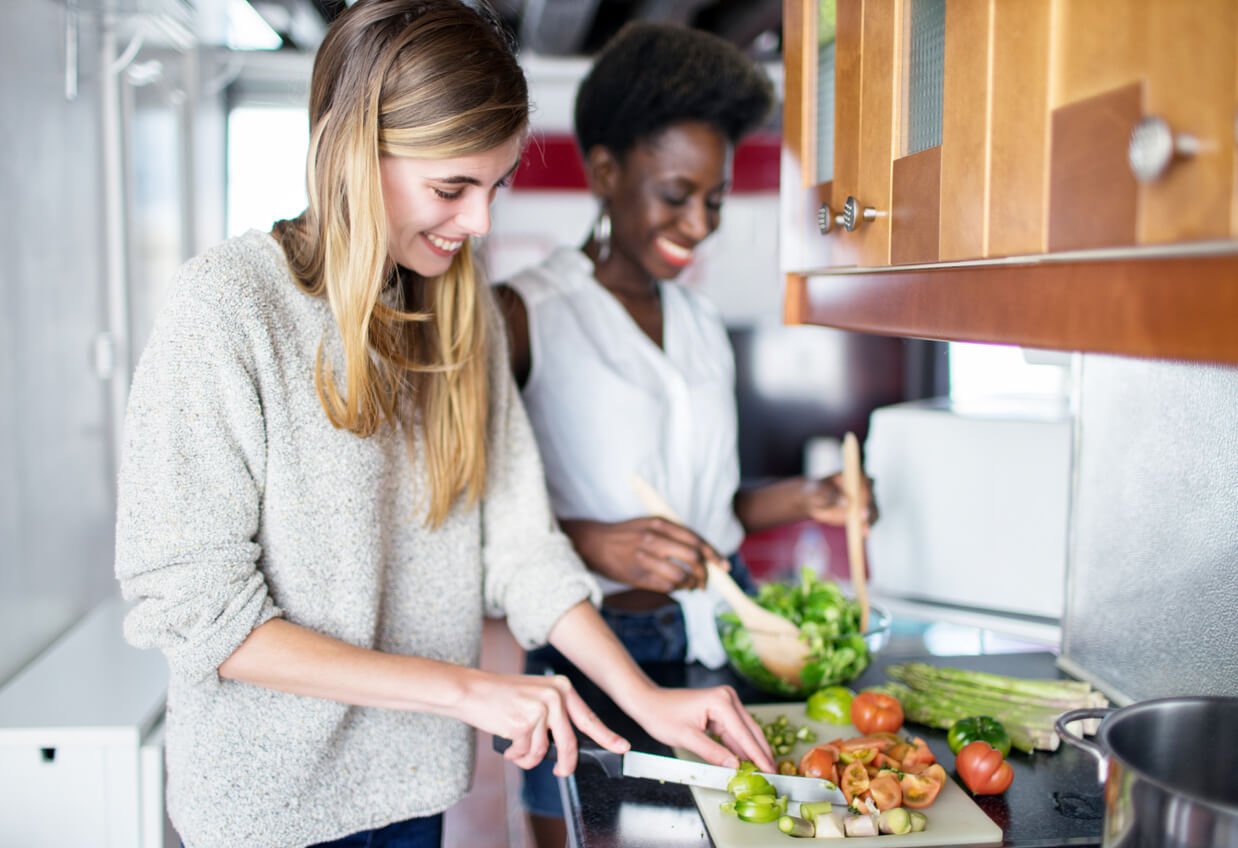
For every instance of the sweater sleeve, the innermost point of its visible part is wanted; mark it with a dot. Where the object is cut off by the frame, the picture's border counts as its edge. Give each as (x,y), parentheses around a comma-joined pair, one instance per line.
(533,575)
(190,485)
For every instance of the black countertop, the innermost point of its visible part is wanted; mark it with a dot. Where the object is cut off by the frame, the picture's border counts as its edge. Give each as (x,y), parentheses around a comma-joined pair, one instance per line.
(1055,799)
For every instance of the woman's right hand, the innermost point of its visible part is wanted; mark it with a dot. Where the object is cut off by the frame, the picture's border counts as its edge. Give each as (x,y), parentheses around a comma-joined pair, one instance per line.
(533,711)
(645,553)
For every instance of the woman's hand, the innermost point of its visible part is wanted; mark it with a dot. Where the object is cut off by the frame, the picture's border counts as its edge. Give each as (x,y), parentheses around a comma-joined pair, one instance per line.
(686,718)
(645,553)
(532,711)
(825,500)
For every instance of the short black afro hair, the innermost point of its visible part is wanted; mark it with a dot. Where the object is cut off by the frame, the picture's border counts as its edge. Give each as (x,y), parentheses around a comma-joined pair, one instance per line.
(652,75)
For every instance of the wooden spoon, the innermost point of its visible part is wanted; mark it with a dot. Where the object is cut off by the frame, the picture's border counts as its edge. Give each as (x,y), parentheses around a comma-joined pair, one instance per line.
(775,639)
(853,488)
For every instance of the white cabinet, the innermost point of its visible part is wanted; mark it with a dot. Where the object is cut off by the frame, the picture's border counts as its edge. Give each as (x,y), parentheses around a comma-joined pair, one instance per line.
(81,742)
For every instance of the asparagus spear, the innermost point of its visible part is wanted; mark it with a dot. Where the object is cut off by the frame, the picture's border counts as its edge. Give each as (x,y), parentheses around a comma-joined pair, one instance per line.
(1064,694)
(938,696)
(1028,732)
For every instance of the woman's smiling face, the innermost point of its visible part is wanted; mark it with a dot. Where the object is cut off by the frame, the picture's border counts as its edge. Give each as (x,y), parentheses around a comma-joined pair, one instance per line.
(666,197)
(434,205)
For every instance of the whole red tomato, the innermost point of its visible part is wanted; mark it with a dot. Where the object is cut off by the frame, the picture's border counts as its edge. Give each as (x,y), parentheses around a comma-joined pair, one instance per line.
(983,768)
(876,712)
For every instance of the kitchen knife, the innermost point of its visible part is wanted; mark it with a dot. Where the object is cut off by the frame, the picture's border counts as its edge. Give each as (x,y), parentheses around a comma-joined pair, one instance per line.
(693,773)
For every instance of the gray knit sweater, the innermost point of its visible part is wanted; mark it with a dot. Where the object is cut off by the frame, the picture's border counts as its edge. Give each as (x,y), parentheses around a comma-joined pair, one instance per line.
(240,502)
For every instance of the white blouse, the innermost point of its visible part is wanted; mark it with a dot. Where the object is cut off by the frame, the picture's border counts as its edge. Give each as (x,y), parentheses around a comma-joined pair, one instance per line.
(608,404)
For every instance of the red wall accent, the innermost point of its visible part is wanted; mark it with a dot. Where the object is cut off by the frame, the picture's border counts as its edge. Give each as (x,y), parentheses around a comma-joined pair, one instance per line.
(552,163)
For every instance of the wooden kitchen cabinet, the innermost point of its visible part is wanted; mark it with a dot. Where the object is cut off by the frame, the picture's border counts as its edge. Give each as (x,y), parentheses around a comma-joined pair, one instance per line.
(989,143)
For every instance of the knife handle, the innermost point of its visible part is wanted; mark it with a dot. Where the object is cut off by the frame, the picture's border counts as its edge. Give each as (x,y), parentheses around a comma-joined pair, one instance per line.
(610,762)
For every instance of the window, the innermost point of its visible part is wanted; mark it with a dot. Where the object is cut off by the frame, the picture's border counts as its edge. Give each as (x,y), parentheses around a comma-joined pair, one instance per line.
(985,371)
(266,165)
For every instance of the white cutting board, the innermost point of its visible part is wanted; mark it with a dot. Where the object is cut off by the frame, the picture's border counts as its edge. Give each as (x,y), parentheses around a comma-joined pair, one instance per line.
(953,819)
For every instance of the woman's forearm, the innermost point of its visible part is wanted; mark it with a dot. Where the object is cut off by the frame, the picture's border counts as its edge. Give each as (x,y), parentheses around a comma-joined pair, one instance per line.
(284,656)
(529,710)
(772,505)
(584,638)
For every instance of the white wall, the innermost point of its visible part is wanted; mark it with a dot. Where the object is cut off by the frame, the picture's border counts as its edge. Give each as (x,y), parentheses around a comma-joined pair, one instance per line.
(57,463)
(55,470)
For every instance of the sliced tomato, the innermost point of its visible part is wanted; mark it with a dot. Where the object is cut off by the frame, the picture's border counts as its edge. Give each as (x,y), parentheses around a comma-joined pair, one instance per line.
(918,755)
(819,762)
(884,761)
(858,755)
(935,773)
(885,791)
(853,781)
(919,790)
(878,742)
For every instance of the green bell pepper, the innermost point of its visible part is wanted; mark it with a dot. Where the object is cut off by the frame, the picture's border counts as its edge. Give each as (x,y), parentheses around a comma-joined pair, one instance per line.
(983,728)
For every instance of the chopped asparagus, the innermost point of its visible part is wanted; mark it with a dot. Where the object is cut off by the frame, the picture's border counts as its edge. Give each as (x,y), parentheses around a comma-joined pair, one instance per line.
(828,825)
(795,826)
(860,825)
(896,821)
(811,809)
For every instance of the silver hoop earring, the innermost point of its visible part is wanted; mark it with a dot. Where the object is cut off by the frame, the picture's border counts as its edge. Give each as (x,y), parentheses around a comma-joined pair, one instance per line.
(601,235)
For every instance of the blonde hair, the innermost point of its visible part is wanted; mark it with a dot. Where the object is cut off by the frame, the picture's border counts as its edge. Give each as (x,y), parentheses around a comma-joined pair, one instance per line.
(431,79)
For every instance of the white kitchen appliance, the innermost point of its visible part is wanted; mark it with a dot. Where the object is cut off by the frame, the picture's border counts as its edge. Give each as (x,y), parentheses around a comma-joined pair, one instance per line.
(974,499)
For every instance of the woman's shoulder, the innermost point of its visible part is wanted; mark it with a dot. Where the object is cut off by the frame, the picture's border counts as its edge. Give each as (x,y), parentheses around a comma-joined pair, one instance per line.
(241,268)
(563,271)
(237,280)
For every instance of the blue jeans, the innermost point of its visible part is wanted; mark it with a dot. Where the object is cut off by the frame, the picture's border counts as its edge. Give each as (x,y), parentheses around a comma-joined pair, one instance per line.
(655,635)
(424,832)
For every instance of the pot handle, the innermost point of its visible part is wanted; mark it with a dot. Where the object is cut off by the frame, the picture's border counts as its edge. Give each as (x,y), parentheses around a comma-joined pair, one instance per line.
(1101,755)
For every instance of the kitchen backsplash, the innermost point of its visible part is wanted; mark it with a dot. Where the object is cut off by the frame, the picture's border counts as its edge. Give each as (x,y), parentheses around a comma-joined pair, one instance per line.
(1152,583)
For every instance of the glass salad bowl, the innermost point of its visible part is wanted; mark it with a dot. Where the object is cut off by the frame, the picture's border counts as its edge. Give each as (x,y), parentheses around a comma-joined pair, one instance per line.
(829,626)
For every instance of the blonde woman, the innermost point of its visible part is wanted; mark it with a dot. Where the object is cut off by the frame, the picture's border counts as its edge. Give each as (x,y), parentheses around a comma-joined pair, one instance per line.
(329,480)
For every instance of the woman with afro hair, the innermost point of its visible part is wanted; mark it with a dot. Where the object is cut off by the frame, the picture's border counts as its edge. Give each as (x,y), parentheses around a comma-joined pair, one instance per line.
(626,375)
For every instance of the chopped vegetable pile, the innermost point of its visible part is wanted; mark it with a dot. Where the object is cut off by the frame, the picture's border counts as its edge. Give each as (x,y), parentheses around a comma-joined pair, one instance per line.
(829,622)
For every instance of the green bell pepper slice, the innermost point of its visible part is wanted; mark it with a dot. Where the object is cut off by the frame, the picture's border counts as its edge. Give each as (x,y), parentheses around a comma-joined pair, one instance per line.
(760,809)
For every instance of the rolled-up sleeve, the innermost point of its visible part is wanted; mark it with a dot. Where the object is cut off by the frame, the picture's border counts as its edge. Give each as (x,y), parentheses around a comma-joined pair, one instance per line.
(533,575)
(190,489)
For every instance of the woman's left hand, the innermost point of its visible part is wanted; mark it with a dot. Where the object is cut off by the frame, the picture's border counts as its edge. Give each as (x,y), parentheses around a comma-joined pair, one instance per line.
(686,718)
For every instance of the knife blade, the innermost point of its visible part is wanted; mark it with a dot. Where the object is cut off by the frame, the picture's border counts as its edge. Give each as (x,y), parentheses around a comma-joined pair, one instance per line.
(693,773)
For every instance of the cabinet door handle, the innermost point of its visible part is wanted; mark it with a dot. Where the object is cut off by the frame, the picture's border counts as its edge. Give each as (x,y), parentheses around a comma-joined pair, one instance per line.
(850,218)
(1154,146)
(853,215)
(827,219)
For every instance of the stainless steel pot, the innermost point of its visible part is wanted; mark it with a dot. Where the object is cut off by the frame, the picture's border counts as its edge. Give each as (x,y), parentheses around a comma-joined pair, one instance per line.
(1169,770)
